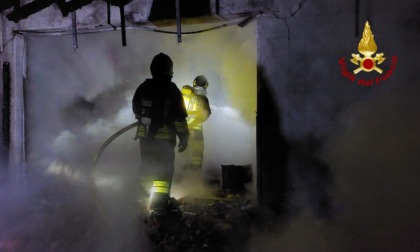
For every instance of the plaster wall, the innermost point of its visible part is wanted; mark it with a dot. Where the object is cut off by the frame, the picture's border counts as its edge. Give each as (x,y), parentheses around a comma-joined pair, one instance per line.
(299,51)
(353,143)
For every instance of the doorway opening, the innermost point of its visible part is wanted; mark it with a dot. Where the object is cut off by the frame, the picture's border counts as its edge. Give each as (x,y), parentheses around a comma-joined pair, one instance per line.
(76,99)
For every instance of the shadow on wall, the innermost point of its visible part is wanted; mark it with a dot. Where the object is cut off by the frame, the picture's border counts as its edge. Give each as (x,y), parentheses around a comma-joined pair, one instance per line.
(290,175)
(3,165)
(272,149)
(374,159)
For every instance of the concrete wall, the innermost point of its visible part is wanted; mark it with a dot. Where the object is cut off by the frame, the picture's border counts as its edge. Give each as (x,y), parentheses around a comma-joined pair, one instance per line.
(352,149)
(298,53)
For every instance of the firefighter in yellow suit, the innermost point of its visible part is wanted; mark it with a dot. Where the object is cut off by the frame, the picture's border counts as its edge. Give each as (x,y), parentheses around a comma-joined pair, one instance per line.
(198,109)
(159,106)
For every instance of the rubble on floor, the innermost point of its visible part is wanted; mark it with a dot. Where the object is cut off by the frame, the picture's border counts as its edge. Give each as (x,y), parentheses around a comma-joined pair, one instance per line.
(205,224)
(63,220)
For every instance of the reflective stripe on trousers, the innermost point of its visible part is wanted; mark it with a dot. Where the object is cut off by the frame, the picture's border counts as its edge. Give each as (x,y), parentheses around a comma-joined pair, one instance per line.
(159,196)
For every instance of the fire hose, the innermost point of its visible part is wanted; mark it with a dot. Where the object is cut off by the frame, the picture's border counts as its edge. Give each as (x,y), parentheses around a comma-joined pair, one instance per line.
(110,139)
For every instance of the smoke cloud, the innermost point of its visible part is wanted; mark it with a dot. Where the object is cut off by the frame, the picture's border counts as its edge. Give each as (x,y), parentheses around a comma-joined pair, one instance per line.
(367,136)
(373,159)
(77,99)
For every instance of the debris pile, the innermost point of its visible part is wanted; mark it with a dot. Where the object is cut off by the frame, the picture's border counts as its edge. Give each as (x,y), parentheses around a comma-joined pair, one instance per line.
(63,219)
(203,224)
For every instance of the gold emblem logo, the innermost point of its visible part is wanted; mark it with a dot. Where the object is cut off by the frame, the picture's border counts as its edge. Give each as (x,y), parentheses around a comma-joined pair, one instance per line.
(367,47)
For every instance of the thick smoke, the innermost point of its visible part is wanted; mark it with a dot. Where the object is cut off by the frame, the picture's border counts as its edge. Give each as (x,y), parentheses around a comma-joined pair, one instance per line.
(366,136)
(77,99)
(374,159)
(376,164)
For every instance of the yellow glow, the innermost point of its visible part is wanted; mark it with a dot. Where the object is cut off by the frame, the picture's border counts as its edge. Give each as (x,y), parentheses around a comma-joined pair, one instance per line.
(240,73)
(234,69)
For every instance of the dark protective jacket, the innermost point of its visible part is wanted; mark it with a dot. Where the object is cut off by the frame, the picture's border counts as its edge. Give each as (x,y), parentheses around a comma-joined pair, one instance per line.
(162,102)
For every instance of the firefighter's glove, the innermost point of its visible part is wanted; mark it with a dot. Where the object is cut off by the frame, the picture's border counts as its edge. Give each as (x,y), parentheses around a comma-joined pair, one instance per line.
(183,143)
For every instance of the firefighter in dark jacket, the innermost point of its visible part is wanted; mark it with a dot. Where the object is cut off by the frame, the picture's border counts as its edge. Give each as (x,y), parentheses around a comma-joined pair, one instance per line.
(198,109)
(159,106)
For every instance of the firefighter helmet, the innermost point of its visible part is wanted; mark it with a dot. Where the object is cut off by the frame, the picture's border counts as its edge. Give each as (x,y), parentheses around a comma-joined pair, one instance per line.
(161,65)
(200,81)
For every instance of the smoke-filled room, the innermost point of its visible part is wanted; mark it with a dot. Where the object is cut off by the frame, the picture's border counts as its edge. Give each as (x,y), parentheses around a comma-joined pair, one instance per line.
(209,126)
